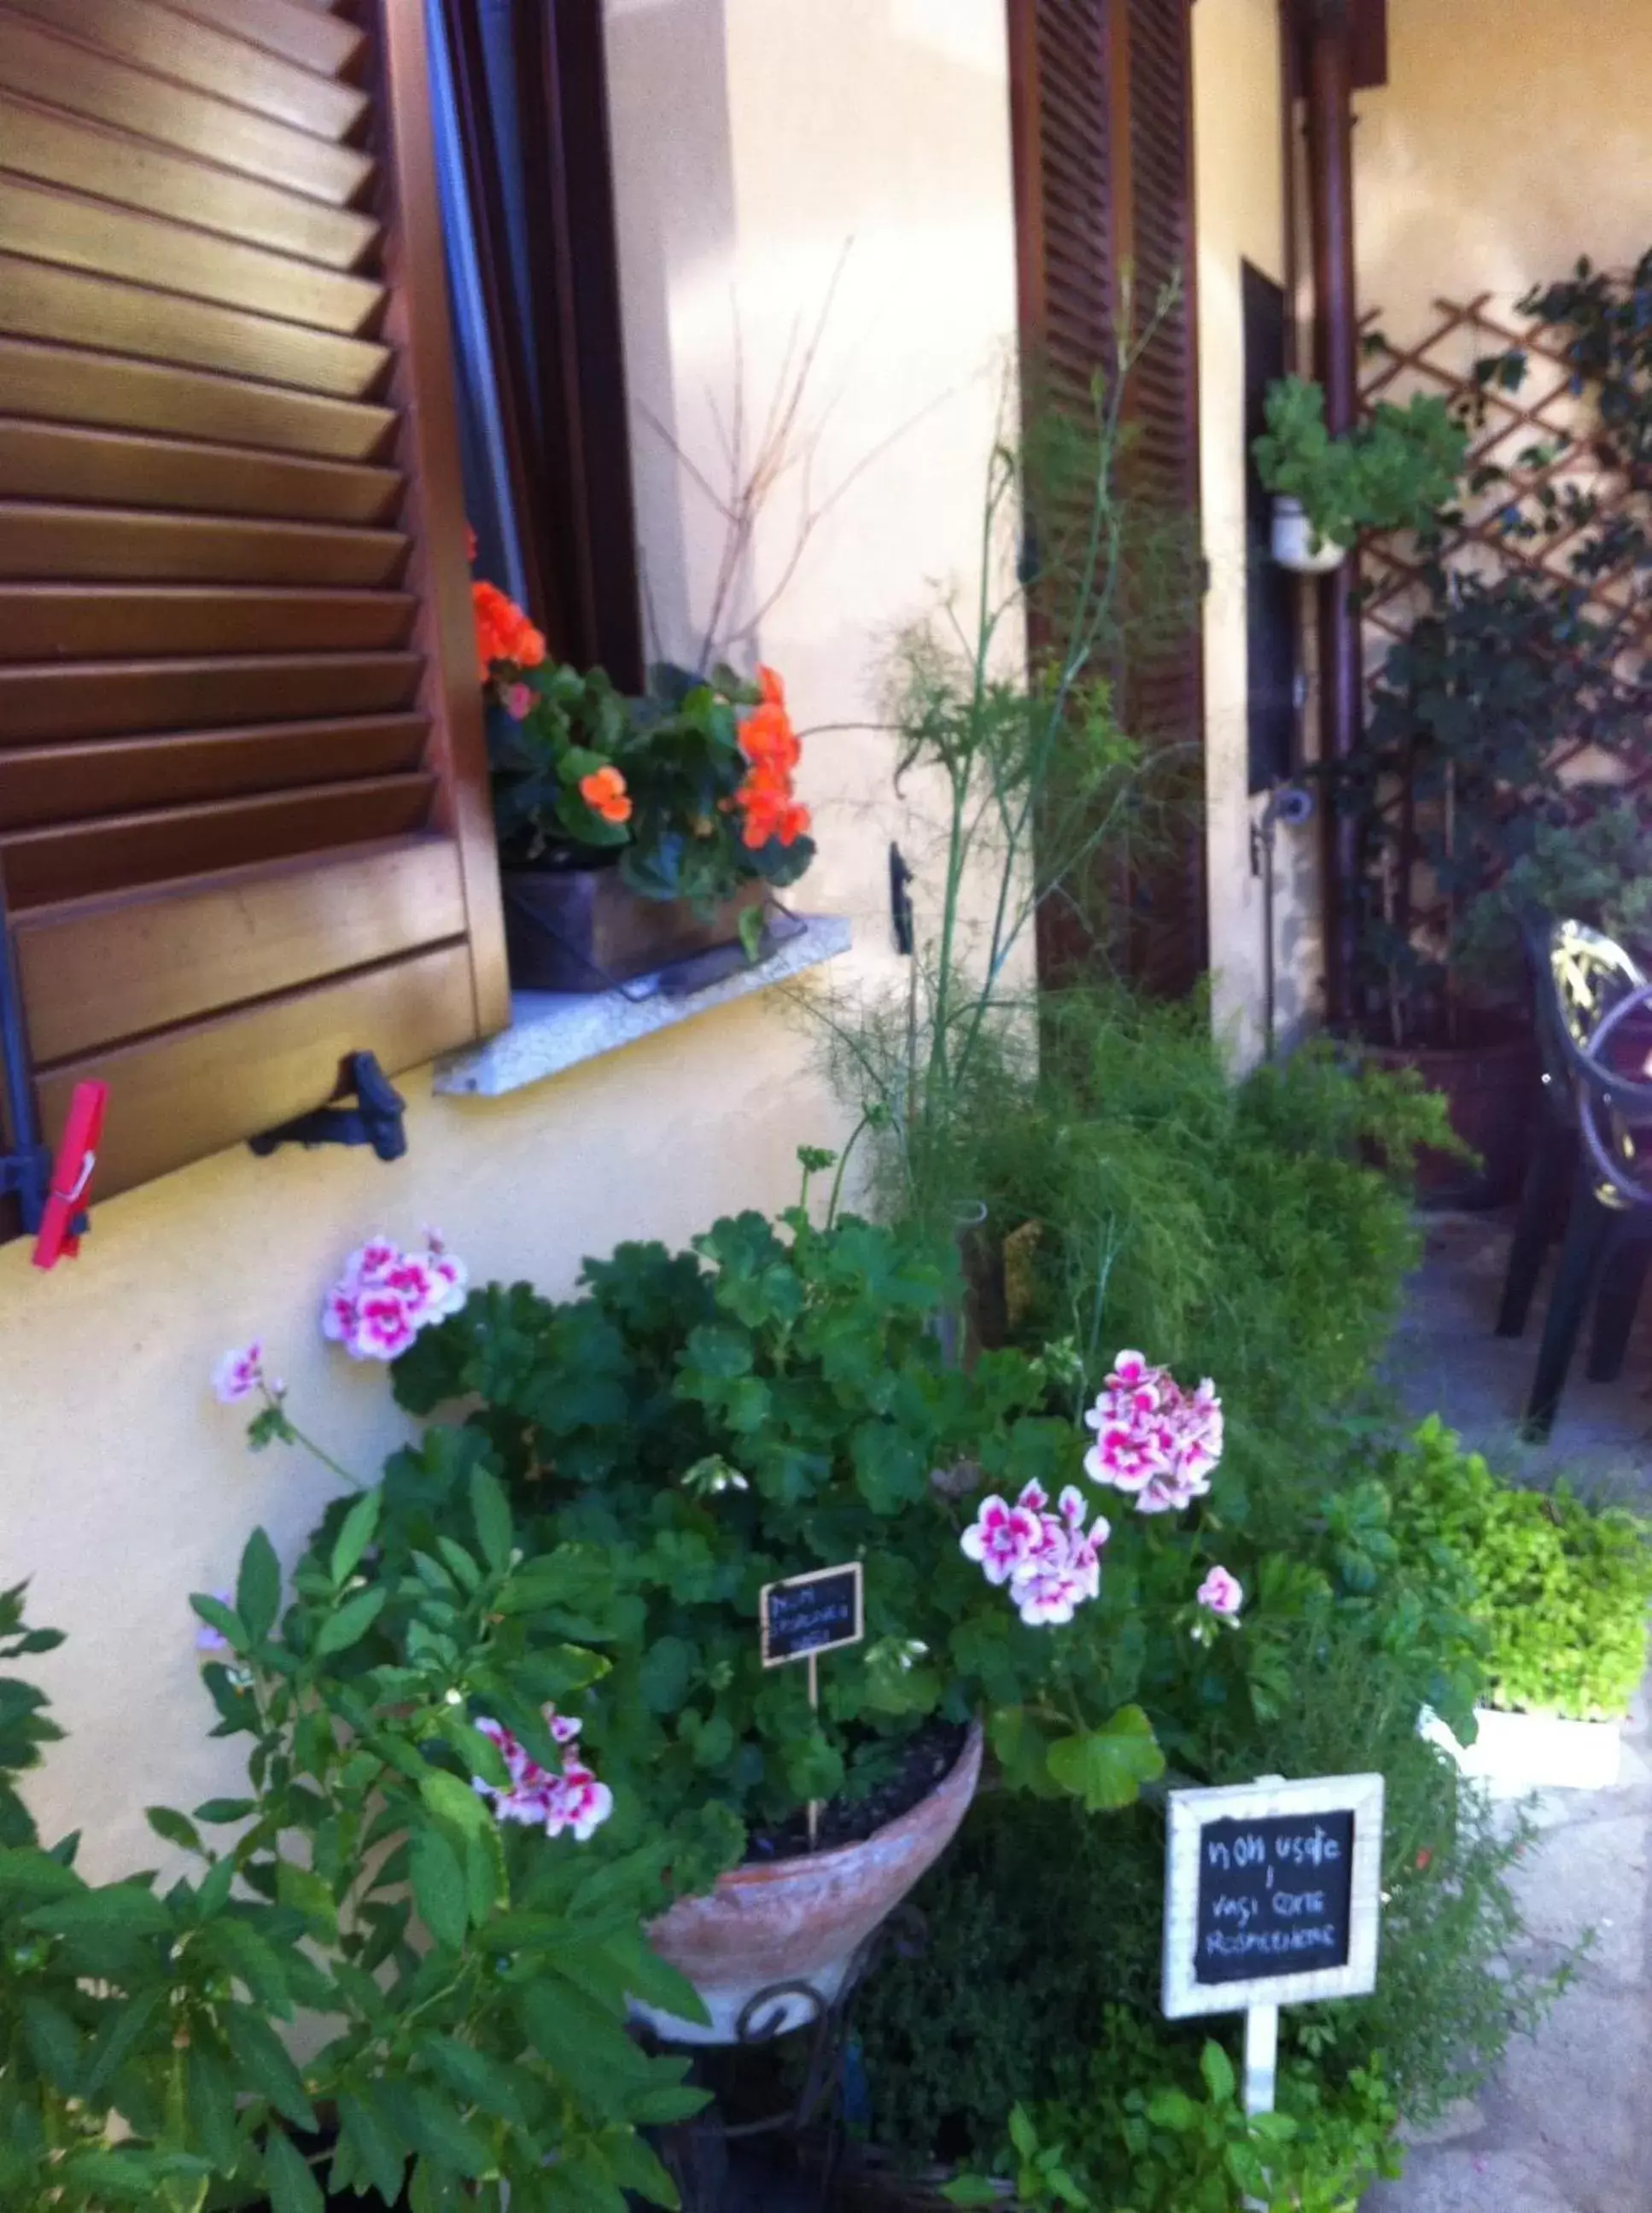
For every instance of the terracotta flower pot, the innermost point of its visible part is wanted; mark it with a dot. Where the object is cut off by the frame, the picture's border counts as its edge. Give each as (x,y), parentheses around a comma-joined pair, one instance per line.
(801,1920)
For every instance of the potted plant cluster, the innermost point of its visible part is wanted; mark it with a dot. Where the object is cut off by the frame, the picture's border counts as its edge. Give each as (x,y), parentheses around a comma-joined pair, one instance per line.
(632,832)
(777,1401)
(1395,471)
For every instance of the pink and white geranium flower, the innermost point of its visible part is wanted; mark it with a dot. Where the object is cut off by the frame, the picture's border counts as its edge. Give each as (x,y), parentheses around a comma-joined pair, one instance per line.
(1154,1441)
(1221,1594)
(1051,1562)
(385,1297)
(238,1375)
(540,1797)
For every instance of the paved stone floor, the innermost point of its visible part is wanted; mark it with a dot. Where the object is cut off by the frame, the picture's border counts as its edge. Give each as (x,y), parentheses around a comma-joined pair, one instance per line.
(1566,2127)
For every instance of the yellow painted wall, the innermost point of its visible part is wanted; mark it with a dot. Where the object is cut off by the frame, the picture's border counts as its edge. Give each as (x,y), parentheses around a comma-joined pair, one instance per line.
(751,140)
(1512,137)
(1240,217)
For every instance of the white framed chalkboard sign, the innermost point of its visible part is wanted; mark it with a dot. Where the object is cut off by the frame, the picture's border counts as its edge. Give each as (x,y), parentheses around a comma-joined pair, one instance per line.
(1272,1894)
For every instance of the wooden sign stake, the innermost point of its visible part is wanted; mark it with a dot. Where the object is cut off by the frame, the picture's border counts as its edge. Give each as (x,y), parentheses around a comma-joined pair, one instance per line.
(804,1617)
(1280,1873)
(814,1708)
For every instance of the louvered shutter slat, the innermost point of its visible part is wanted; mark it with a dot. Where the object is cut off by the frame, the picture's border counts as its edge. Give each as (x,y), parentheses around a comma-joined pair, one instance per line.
(1103,148)
(90,622)
(243,812)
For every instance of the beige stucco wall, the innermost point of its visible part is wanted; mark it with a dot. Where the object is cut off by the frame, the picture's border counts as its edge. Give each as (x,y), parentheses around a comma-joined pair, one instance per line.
(1240,217)
(751,140)
(1511,137)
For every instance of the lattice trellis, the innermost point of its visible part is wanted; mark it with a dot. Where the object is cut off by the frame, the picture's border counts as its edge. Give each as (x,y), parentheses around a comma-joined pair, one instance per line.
(1543,415)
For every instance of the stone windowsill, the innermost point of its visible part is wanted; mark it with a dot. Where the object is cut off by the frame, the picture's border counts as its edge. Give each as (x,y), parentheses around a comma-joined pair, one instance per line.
(551,1031)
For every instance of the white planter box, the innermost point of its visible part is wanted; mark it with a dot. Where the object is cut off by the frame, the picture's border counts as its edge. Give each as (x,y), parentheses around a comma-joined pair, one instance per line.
(1517,1753)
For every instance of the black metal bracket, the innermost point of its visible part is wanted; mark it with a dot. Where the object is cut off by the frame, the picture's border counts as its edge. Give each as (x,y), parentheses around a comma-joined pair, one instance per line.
(900,901)
(375,1119)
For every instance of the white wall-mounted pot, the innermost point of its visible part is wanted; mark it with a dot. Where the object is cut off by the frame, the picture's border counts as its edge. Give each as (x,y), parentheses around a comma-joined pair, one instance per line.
(1293,543)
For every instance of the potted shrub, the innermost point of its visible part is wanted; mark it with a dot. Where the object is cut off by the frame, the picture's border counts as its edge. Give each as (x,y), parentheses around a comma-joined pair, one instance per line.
(1394,472)
(632,832)
(777,1401)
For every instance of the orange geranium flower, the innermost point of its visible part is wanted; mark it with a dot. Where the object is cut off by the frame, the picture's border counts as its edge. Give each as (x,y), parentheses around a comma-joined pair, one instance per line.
(604,792)
(771,746)
(502,632)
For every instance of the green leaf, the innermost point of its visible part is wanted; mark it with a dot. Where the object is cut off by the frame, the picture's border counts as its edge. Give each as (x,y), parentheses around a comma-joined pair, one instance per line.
(175,1828)
(125,2031)
(636,2166)
(211,2092)
(355,1532)
(372,2136)
(224,1619)
(666,1670)
(122,1909)
(218,1812)
(53,2043)
(972,2190)
(1173,2109)
(890,1470)
(262,2064)
(307,1893)
(257,1587)
(1022,2135)
(287,2177)
(439,1888)
(1218,2072)
(351,1622)
(450,1800)
(1106,1767)
(476,2079)
(490,1511)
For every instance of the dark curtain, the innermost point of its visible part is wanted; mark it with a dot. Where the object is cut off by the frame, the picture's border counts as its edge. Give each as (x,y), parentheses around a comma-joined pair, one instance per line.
(519,94)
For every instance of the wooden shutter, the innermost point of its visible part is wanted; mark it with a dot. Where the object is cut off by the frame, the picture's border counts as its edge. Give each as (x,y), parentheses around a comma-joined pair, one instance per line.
(1101,101)
(243,813)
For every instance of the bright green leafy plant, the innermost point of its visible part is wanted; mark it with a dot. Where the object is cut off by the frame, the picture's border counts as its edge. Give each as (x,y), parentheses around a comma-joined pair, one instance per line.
(1560,1587)
(1396,470)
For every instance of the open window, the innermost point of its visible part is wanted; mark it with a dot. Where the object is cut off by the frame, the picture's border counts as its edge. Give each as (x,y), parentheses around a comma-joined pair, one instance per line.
(244,821)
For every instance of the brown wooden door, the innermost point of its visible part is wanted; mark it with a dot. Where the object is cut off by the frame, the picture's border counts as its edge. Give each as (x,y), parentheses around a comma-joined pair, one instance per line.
(1102,103)
(244,823)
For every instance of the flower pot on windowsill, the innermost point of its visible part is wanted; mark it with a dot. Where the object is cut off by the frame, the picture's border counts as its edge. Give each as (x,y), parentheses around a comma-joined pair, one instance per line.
(1293,543)
(585,930)
(793,1926)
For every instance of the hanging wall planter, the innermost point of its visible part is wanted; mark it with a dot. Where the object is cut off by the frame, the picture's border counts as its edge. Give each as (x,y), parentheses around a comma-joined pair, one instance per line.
(792,1927)
(1294,546)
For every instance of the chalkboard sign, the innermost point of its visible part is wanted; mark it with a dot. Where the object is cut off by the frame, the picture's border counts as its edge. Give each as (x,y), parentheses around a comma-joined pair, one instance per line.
(819,1613)
(1273,1896)
(1271,1893)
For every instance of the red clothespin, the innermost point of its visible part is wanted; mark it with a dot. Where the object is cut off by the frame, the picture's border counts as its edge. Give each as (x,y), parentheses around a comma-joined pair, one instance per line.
(62,1222)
